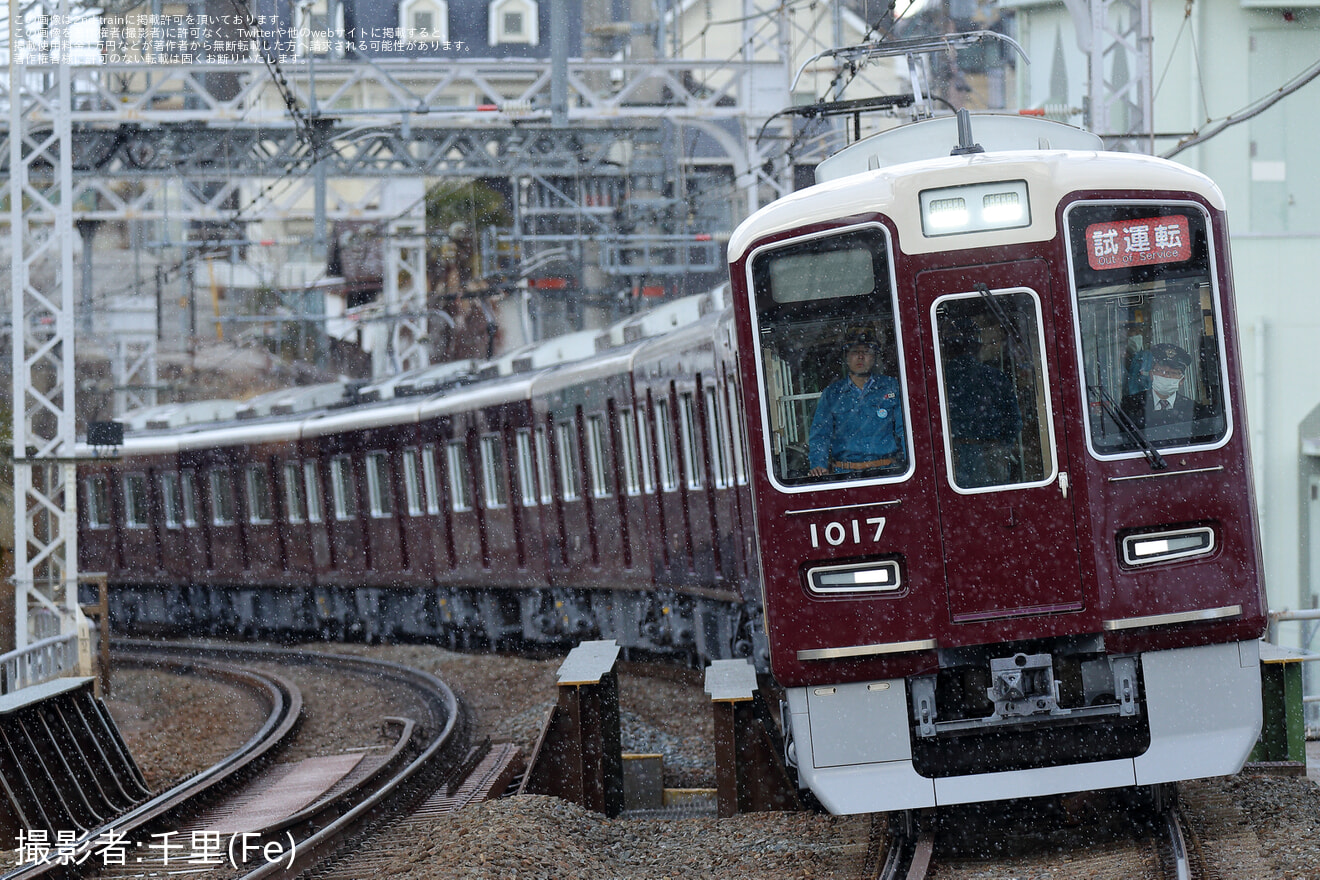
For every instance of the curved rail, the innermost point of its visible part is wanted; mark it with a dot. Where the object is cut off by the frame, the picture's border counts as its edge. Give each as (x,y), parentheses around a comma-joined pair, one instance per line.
(284,702)
(318,830)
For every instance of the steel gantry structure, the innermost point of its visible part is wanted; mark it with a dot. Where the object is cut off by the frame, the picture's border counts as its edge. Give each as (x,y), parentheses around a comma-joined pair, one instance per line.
(215,143)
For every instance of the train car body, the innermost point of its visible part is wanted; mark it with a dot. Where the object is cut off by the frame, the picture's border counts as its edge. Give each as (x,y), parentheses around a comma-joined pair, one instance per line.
(1043,589)
(580,488)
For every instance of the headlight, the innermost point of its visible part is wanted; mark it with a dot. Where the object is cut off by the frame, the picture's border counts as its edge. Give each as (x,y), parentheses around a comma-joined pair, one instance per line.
(975,208)
(867,577)
(1152,547)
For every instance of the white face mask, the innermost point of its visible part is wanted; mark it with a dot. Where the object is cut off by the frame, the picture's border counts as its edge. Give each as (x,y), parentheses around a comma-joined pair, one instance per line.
(1163,386)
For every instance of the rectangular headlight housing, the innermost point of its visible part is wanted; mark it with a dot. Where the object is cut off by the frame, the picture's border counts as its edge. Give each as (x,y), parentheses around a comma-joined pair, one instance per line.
(882,576)
(1152,547)
(974,208)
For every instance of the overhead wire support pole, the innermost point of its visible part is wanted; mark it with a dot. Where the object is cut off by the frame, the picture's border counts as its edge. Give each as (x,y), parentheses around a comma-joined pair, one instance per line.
(40,192)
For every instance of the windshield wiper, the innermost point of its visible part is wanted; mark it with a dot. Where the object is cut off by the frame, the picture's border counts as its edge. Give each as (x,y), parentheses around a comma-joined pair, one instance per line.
(1011,333)
(1124,421)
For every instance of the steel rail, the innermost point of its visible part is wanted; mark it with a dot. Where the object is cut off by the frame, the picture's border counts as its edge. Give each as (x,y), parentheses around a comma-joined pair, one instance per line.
(440,756)
(321,829)
(284,713)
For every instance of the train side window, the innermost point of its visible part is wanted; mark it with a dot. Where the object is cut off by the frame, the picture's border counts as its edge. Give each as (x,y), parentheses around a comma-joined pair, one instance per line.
(188,494)
(736,438)
(644,449)
(597,456)
(493,481)
(431,480)
(258,494)
(522,440)
(412,483)
(632,474)
(543,467)
(460,487)
(1146,301)
(824,418)
(342,494)
(169,499)
(312,480)
(994,393)
(378,485)
(720,453)
(664,438)
(222,498)
(687,420)
(98,502)
(294,509)
(570,484)
(135,501)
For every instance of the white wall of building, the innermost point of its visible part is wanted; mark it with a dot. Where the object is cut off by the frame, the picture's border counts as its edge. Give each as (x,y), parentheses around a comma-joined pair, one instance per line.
(1206,66)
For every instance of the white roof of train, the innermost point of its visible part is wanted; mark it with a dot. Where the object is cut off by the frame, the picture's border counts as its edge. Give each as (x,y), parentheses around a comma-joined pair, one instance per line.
(541,368)
(894,191)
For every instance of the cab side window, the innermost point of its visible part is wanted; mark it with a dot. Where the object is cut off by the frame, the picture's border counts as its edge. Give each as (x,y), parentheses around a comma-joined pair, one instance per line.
(831,359)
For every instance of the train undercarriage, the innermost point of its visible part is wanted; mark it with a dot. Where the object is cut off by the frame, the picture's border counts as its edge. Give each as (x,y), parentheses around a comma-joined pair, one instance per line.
(660,622)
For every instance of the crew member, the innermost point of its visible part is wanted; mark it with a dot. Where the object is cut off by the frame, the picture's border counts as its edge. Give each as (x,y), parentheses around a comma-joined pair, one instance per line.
(858,425)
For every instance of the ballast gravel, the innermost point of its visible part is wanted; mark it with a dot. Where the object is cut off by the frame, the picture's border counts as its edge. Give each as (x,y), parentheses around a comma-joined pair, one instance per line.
(1254,826)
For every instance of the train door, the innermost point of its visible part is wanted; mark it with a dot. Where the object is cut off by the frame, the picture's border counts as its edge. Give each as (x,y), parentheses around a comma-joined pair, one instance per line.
(999,438)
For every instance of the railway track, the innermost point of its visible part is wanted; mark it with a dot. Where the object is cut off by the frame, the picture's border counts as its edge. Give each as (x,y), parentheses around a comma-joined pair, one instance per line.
(1161,845)
(250,817)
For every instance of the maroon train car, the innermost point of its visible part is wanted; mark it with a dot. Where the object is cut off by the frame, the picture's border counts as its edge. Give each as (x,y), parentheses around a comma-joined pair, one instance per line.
(1040,586)
(574,489)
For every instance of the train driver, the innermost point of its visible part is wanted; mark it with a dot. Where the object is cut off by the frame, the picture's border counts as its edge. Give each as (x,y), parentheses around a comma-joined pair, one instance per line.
(858,425)
(1165,403)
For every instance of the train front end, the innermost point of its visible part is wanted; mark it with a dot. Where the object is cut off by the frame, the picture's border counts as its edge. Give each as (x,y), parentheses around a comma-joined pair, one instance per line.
(1016,554)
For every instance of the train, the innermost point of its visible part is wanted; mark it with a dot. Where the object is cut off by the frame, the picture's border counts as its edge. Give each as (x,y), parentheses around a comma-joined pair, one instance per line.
(958,456)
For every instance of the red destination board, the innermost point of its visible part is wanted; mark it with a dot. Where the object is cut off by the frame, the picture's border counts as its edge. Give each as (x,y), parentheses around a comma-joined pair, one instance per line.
(1138,242)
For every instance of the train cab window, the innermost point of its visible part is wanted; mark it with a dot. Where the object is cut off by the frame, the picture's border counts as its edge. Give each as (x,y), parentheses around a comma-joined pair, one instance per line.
(830,358)
(597,456)
(570,484)
(493,482)
(312,480)
(294,509)
(994,394)
(97,490)
(430,480)
(412,483)
(258,494)
(188,495)
(169,499)
(379,495)
(342,493)
(522,441)
(135,501)
(1147,310)
(222,498)
(460,485)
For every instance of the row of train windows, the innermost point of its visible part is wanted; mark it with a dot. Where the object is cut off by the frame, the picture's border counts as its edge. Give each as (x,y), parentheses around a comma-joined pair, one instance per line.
(535,482)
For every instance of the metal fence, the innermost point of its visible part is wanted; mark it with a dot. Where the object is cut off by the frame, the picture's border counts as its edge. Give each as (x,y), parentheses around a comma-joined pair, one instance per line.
(39,662)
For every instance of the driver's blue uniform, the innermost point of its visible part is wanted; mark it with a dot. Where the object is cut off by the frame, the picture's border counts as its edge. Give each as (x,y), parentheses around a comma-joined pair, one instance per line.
(854,424)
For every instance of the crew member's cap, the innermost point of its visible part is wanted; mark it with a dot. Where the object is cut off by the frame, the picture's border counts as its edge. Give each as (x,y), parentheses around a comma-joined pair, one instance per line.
(1169,355)
(860,337)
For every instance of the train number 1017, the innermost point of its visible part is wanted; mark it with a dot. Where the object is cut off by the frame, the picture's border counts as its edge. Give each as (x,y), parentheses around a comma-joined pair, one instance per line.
(836,533)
